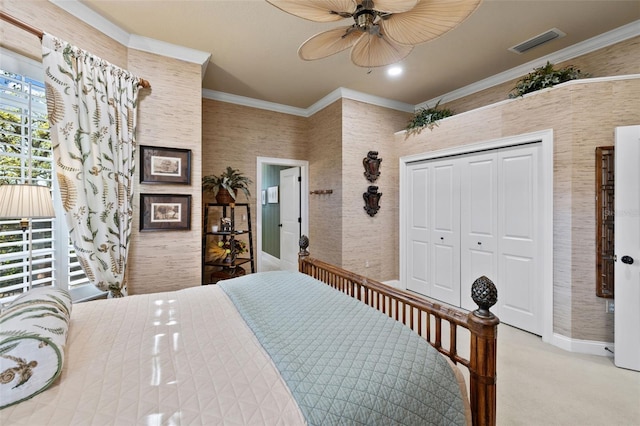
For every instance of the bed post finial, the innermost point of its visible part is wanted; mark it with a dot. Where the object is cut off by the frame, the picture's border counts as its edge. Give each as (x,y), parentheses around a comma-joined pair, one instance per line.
(303,243)
(485,294)
(482,360)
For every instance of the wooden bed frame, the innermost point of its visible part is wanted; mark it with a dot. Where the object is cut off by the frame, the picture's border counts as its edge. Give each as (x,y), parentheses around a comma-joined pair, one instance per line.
(425,317)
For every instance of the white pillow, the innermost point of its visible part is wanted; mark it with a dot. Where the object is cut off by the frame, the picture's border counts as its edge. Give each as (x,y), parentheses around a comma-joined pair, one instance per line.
(33,333)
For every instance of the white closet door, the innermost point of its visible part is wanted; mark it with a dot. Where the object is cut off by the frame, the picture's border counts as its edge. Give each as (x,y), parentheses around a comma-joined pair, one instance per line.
(479,223)
(519,295)
(418,228)
(444,203)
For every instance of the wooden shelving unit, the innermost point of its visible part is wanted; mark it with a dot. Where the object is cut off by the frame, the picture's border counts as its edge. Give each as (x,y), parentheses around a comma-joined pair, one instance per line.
(215,270)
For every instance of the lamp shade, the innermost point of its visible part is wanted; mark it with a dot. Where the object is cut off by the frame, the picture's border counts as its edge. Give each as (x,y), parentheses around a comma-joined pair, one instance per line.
(25,201)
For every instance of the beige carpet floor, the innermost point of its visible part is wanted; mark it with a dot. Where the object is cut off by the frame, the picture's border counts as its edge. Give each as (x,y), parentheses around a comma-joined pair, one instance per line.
(540,384)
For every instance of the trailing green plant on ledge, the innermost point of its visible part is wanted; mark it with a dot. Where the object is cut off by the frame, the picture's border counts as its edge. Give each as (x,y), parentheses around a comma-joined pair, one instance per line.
(427,117)
(545,76)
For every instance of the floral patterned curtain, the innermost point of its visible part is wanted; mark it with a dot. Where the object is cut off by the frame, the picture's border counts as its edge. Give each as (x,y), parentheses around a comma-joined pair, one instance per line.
(92,108)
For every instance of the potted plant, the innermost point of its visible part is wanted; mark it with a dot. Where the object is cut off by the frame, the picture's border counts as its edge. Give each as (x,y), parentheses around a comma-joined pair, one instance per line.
(545,76)
(427,117)
(225,186)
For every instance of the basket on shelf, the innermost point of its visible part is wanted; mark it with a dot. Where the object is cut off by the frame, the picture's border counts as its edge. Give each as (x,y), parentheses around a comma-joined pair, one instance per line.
(224,197)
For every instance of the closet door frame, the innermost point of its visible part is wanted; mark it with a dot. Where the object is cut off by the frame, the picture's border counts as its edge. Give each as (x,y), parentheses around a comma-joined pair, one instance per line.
(545,138)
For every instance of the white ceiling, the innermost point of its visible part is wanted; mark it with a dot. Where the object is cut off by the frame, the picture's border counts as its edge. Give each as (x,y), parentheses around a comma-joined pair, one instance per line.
(253,45)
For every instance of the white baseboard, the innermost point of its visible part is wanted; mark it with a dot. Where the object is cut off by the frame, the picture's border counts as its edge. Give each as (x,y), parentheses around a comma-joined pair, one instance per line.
(588,347)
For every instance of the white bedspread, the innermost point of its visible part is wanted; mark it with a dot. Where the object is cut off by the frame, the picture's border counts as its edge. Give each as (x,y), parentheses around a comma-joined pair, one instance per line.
(127,364)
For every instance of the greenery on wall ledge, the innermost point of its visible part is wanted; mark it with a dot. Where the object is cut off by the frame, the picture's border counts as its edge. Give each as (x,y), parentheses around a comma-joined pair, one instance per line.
(545,76)
(427,117)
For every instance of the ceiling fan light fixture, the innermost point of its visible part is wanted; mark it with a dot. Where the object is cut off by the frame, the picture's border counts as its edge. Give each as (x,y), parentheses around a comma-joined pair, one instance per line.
(364,19)
(384,31)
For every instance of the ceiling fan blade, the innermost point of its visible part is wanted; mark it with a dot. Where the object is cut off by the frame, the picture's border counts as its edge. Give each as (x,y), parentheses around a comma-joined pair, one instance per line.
(373,50)
(428,20)
(328,43)
(317,10)
(394,6)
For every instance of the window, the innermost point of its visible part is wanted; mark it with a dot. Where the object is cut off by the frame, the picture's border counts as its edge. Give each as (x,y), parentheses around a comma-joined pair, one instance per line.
(26,153)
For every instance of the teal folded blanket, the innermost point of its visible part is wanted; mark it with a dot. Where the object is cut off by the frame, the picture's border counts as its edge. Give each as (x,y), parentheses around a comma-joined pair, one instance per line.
(345,362)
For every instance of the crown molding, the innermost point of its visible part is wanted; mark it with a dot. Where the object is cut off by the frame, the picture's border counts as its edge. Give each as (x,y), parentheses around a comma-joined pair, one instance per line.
(132,41)
(598,42)
(327,100)
(158,47)
(253,103)
(376,100)
(342,92)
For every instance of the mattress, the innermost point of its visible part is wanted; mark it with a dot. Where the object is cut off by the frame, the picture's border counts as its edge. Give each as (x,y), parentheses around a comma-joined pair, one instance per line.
(185,357)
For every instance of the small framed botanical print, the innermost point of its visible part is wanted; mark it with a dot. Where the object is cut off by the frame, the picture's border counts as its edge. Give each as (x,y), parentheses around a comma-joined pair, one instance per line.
(165,165)
(165,212)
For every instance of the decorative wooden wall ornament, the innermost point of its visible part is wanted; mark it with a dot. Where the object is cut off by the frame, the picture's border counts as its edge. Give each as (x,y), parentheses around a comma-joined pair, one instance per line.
(605,174)
(372,200)
(372,166)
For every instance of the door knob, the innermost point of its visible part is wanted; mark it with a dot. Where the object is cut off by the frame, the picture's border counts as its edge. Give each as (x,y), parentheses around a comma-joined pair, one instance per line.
(280,225)
(627,259)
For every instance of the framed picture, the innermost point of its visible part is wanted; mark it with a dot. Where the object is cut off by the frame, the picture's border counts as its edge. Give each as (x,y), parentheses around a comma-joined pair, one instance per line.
(165,165)
(272,195)
(264,197)
(165,212)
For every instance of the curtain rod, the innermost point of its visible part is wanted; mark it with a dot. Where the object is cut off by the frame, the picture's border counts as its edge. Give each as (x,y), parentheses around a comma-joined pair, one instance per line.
(39,33)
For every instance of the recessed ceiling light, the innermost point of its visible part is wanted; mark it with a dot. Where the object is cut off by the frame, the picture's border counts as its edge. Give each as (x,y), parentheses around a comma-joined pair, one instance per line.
(394,71)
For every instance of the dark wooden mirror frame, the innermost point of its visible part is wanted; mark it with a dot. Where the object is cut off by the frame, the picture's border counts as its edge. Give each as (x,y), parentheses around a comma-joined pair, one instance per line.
(605,209)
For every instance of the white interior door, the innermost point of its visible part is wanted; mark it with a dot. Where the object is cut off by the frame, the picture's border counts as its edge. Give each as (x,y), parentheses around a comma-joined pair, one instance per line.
(445,210)
(520,285)
(289,195)
(627,248)
(478,223)
(418,229)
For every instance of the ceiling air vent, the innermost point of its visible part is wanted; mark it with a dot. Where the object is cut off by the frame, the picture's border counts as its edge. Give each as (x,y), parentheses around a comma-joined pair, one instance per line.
(536,41)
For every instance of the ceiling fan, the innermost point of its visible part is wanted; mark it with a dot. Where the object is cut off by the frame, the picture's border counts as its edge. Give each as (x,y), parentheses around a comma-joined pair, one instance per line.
(384,31)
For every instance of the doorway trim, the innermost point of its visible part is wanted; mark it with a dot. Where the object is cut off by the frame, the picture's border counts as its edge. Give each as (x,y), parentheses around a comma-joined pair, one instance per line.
(545,138)
(304,197)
